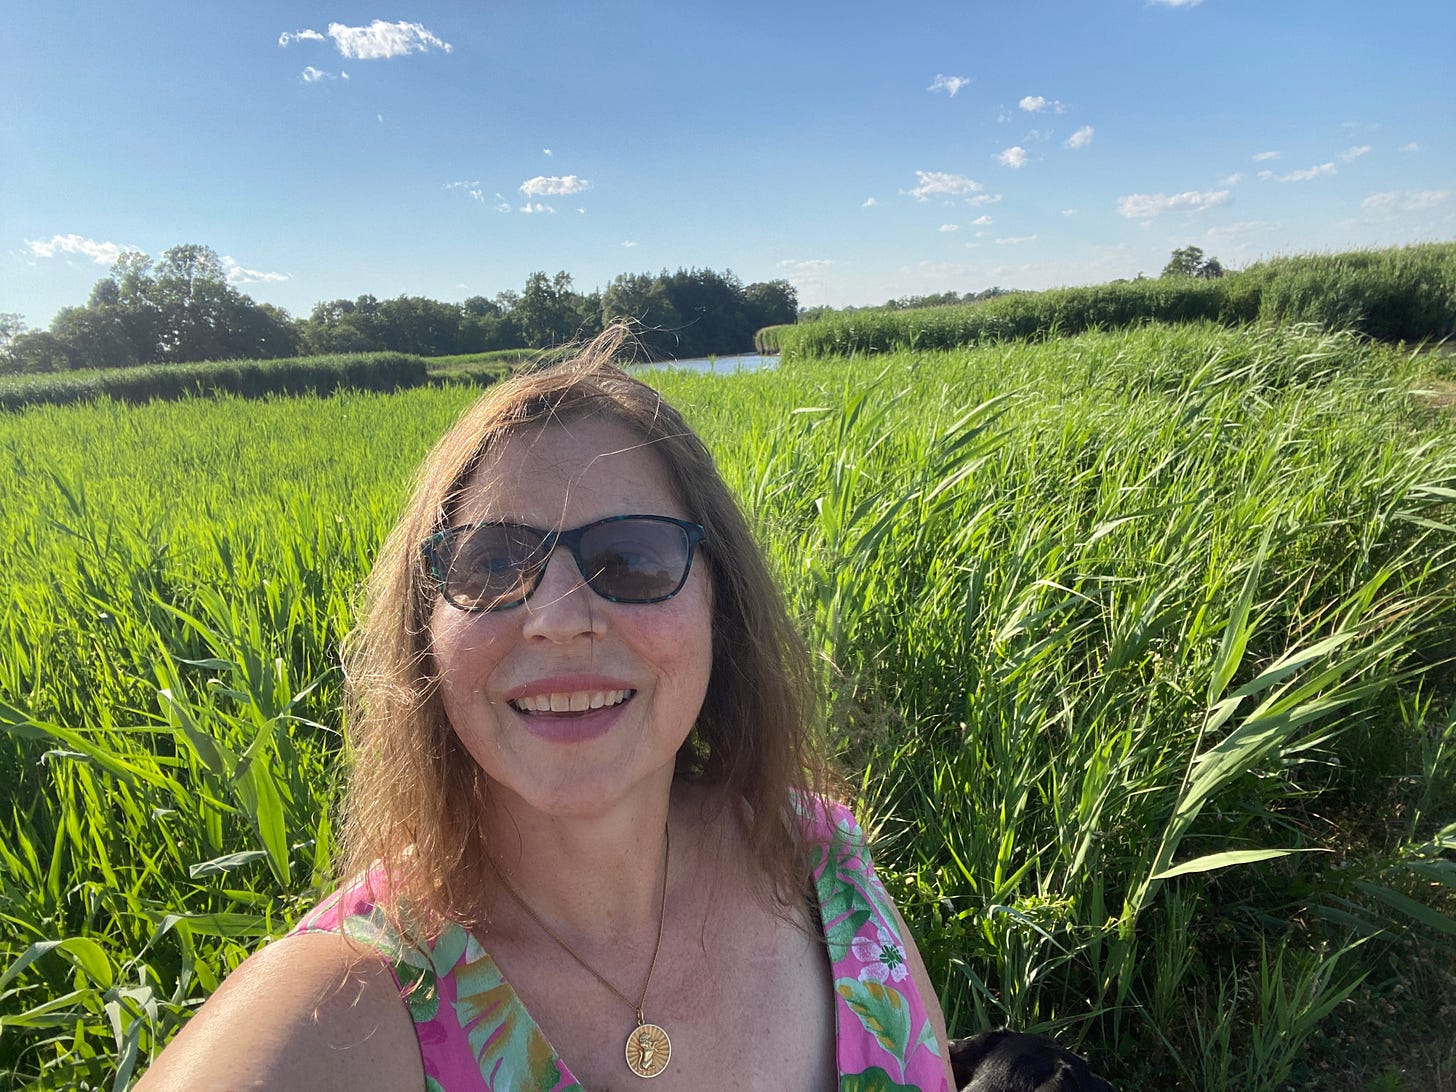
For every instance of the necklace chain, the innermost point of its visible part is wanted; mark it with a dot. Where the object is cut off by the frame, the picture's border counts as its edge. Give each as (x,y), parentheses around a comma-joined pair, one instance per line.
(656,947)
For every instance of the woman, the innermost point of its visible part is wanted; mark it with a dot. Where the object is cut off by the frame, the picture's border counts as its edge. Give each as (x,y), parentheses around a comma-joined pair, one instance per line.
(585,812)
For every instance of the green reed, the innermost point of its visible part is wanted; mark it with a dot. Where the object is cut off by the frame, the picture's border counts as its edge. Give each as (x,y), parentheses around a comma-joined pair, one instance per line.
(1124,639)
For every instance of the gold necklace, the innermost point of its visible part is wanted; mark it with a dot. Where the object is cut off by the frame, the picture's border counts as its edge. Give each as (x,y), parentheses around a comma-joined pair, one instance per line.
(648,1047)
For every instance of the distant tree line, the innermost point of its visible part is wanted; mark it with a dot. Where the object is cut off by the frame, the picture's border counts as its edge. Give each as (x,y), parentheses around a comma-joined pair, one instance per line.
(182,308)
(912,303)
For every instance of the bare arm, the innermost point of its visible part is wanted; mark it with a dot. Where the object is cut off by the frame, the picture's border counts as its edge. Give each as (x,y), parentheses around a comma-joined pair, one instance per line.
(314,1011)
(928,993)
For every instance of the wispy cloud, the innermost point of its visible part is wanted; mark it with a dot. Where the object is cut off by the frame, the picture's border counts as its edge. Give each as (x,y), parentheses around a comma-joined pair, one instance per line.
(869,203)
(1141,206)
(629,243)
(1264,157)
(236,274)
(1349,155)
(1243,227)
(1231,180)
(1301,176)
(1069,212)
(528,208)
(285,38)
(1081,138)
(1393,201)
(982,220)
(806,274)
(471,188)
(100,253)
(1036,104)
(942,184)
(1411,147)
(1015,240)
(1014,157)
(1174,3)
(546,152)
(949,84)
(374,42)
(950,227)
(982,199)
(553,186)
(317,75)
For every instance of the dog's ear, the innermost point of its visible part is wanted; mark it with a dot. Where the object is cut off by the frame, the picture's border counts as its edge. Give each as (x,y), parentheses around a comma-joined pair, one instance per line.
(967,1054)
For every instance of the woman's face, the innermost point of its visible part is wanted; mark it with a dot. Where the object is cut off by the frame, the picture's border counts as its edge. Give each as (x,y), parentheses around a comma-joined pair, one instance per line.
(509,678)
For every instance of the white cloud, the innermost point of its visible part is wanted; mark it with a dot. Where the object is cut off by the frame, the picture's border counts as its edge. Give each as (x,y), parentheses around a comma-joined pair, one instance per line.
(546,152)
(301,36)
(942,184)
(471,188)
(869,203)
(983,199)
(949,84)
(1081,138)
(1393,201)
(804,265)
(1263,157)
(314,75)
(981,221)
(950,227)
(1137,206)
(529,208)
(1014,157)
(1015,240)
(1231,180)
(100,253)
(236,274)
(1035,104)
(1242,227)
(1175,3)
(1069,212)
(1349,155)
(1411,147)
(553,186)
(1301,176)
(380,39)
(629,243)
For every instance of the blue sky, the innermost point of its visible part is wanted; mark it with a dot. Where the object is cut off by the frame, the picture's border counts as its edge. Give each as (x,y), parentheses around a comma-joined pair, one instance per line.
(859,150)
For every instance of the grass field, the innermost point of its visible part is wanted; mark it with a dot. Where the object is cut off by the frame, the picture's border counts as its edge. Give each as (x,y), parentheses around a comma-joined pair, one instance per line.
(1138,647)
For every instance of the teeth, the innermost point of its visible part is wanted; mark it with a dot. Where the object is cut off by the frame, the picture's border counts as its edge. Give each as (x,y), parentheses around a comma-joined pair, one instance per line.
(575,702)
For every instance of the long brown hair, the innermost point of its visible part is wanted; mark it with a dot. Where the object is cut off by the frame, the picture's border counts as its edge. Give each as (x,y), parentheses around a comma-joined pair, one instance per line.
(412,801)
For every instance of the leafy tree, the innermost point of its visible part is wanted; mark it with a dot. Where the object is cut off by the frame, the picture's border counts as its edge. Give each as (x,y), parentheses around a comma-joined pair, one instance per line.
(771,303)
(546,313)
(641,299)
(1189,261)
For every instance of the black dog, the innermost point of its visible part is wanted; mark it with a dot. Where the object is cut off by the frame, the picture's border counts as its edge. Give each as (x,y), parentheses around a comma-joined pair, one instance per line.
(1010,1061)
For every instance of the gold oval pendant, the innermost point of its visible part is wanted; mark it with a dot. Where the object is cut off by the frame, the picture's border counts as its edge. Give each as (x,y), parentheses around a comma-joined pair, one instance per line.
(648,1050)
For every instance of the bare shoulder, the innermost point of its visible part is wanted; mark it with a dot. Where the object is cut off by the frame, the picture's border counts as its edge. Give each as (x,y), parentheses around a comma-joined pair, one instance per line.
(312,1011)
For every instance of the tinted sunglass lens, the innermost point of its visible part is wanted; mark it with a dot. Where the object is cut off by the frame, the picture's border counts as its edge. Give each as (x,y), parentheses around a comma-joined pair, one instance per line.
(635,560)
(492,566)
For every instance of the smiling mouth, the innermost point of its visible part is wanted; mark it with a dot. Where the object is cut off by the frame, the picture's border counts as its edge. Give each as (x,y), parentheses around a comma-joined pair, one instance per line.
(576,701)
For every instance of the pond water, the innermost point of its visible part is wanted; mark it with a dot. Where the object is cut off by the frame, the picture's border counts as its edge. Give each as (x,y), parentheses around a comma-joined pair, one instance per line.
(745,362)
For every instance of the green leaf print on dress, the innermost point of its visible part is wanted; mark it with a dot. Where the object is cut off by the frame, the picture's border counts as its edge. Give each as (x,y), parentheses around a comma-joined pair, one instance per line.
(511,1050)
(873,1079)
(883,1011)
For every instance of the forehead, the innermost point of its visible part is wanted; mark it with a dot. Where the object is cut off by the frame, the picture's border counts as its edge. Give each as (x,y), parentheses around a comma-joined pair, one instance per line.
(568,473)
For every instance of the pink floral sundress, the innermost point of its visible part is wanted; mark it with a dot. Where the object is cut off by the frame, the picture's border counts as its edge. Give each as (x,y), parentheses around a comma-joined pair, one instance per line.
(475,1033)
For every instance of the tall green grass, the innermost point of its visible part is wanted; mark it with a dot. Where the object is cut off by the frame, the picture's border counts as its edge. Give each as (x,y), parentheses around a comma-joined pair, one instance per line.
(1402,293)
(249,378)
(1137,646)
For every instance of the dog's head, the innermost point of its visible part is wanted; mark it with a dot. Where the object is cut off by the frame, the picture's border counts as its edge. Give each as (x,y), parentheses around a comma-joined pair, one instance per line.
(1010,1061)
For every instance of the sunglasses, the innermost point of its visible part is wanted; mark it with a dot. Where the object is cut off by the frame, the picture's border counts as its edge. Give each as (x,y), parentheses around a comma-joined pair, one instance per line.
(625,559)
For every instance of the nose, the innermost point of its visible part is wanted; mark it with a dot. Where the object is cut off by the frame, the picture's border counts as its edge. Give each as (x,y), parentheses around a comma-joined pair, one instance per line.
(562,607)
